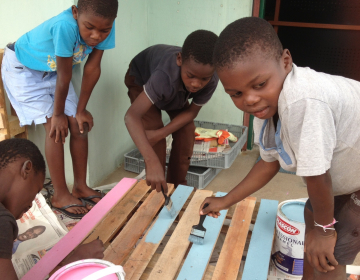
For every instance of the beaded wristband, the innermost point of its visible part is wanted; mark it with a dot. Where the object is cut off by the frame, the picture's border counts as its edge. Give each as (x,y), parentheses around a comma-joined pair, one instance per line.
(327,226)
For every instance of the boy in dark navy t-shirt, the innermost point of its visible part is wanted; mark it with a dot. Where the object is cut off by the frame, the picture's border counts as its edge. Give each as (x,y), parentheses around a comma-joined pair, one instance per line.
(164,77)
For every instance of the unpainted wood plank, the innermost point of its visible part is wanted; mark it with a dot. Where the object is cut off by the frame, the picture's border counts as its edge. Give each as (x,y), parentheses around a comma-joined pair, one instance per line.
(173,254)
(117,217)
(141,256)
(74,237)
(121,246)
(228,264)
(258,256)
(199,256)
(14,126)
(2,91)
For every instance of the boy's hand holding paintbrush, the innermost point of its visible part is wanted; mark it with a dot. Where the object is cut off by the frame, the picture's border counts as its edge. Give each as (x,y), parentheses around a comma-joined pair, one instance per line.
(215,204)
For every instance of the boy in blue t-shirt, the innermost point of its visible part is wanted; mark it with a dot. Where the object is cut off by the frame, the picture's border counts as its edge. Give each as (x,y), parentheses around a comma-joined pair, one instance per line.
(37,71)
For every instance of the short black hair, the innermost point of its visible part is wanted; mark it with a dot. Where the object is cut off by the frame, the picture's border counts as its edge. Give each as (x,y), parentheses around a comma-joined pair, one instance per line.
(102,8)
(244,36)
(199,45)
(15,148)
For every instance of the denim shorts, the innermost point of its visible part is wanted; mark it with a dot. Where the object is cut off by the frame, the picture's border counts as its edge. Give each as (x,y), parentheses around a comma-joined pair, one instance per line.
(31,92)
(347,213)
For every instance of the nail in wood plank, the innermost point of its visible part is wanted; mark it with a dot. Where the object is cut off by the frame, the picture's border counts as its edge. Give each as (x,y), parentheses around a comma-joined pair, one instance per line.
(199,255)
(174,252)
(228,264)
(74,237)
(122,245)
(258,256)
(141,256)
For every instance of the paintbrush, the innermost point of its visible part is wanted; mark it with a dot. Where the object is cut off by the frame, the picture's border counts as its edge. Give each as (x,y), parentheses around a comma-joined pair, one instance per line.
(169,204)
(198,231)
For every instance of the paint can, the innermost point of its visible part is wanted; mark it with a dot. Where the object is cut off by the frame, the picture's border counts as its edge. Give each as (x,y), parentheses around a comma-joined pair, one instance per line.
(89,269)
(288,256)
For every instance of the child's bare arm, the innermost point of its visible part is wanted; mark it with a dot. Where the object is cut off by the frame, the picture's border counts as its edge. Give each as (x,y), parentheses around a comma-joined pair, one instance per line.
(155,176)
(259,176)
(7,270)
(59,121)
(92,71)
(178,122)
(319,245)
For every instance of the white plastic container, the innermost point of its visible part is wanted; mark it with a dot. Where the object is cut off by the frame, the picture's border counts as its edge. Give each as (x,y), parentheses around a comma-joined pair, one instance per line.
(288,256)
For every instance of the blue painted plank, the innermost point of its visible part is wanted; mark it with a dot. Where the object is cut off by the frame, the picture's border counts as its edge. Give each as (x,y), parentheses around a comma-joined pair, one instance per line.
(199,255)
(258,256)
(164,220)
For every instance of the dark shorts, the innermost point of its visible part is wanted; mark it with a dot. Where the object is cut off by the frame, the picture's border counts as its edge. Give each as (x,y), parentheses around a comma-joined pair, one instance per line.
(347,213)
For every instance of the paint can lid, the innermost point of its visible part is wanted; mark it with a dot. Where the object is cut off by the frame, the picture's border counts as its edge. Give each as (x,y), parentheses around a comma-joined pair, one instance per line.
(294,211)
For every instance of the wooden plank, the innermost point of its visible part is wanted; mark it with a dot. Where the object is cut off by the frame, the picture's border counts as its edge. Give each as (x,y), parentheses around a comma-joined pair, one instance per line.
(315,25)
(228,264)
(4,117)
(14,126)
(178,243)
(117,217)
(277,13)
(141,256)
(256,8)
(199,255)
(74,237)
(258,256)
(122,245)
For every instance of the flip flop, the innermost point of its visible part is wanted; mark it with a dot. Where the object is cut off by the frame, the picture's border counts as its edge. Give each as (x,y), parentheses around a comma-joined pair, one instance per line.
(69,214)
(88,199)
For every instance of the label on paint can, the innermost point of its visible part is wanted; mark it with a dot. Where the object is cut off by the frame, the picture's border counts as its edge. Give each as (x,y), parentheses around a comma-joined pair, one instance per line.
(288,256)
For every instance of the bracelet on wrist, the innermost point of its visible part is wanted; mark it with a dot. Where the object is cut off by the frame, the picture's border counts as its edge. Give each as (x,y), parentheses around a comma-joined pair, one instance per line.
(326,226)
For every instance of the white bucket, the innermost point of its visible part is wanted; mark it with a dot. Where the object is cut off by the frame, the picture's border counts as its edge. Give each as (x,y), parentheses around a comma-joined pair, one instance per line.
(288,256)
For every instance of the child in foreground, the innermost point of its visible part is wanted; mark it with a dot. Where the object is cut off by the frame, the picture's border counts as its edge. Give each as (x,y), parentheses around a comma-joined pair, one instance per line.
(164,78)
(37,71)
(22,174)
(305,121)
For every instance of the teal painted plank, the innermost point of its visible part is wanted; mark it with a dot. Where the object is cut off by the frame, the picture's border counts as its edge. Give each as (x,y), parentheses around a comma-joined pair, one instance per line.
(199,255)
(164,220)
(258,256)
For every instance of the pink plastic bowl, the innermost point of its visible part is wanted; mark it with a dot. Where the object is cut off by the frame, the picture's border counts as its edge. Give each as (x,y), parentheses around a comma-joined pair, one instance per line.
(80,269)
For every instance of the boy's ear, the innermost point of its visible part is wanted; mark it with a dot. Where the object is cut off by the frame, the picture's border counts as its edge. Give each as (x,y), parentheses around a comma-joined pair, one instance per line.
(287,59)
(179,59)
(26,169)
(75,12)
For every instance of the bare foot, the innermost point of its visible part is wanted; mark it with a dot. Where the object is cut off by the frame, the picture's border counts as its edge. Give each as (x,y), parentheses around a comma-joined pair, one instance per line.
(85,191)
(67,199)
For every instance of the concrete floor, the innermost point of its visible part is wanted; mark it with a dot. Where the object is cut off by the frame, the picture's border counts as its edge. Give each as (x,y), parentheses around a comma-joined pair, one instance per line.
(282,187)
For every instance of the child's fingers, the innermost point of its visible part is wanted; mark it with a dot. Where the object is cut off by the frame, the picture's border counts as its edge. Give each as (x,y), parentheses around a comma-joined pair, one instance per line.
(57,136)
(331,260)
(165,187)
(81,127)
(91,124)
(324,264)
(62,133)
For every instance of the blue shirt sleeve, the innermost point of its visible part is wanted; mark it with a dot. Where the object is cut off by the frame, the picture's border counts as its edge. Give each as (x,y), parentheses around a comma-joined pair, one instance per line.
(109,42)
(64,37)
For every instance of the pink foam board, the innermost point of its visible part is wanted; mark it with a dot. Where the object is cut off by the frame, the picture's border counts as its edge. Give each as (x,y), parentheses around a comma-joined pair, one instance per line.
(74,237)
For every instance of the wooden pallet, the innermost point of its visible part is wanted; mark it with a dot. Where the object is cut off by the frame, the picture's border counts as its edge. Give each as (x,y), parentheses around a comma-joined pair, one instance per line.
(134,236)
(140,235)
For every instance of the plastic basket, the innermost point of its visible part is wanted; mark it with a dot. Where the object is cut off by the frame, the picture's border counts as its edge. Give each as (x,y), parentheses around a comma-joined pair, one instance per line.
(218,160)
(197,176)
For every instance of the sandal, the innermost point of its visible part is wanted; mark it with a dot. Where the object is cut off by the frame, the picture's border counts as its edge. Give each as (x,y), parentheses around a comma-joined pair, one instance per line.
(88,199)
(69,214)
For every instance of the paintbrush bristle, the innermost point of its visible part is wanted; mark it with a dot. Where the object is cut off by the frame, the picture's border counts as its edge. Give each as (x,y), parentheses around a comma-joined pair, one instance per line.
(196,240)
(170,208)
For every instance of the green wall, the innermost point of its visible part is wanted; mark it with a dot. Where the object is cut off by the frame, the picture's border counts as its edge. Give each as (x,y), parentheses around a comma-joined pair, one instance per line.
(171,21)
(140,23)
